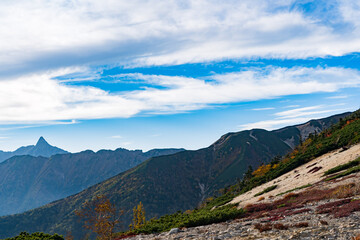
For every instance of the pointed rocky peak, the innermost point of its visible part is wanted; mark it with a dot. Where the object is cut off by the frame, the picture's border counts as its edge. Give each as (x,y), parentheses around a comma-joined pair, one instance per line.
(42,142)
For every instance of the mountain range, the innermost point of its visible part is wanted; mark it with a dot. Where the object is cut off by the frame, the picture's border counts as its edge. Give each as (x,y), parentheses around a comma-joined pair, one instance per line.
(28,182)
(42,148)
(169,183)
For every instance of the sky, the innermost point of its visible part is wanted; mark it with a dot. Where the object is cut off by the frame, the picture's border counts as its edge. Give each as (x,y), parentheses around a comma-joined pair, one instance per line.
(88,74)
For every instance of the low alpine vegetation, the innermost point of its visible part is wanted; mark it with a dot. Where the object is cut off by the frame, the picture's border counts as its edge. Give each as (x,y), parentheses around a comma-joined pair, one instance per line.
(294,189)
(342,167)
(266,190)
(192,218)
(345,173)
(36,236)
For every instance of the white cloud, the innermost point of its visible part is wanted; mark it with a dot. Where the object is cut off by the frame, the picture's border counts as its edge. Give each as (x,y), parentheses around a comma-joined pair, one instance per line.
(262,109)
(292,106)
(299,112)
(273,124)
(294,116)
(116,136)
(338,97)
(38,35)
(190,93)
(40,98)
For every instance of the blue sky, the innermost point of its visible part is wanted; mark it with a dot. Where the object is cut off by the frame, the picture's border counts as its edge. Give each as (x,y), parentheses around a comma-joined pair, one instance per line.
(151,74)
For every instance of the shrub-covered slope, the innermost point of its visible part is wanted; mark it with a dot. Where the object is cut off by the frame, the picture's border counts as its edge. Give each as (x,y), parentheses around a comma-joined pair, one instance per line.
(340,135)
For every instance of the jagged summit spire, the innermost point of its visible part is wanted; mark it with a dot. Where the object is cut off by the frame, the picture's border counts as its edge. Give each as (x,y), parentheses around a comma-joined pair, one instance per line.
(42,141)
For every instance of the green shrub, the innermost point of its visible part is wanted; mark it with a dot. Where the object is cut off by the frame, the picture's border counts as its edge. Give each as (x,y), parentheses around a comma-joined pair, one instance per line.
(266,190)
(342,167)
(343,174)
(294,189)
(36,236)
(219,201)
(195,218)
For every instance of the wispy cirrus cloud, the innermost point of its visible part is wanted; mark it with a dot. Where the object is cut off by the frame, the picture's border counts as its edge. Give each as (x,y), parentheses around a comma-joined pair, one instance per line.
(273,124)
(292,106)
(262,109)
(40,98)
(300,112)
(338,97)
(294,116)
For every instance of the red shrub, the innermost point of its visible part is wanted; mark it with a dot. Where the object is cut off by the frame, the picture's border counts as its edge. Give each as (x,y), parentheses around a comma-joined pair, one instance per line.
(299,211)
(314,170)
(258,207)
(263,227)
(311,165)
(301,224)
(347,209)
(275,218)
(356,238)
(280,226)
(328,207)
(323,222)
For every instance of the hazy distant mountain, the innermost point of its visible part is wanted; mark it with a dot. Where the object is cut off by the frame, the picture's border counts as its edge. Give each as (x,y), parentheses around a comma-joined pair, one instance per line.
(42,148)
(27,182)
(168,183)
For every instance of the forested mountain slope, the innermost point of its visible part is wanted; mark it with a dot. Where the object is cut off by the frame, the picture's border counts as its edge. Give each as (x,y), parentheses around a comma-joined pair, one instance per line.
(28,182)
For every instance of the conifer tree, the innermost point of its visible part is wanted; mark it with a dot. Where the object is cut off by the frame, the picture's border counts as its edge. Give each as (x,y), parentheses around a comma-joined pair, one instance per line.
(138,216)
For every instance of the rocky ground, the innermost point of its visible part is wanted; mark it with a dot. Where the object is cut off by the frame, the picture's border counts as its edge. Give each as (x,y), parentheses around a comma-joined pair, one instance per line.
(320,226)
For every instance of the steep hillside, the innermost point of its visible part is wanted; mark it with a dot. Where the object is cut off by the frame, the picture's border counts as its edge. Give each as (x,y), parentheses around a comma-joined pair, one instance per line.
(295,192)
(28,182)
(42,148)
(309,174)
(340,135)
(164,184)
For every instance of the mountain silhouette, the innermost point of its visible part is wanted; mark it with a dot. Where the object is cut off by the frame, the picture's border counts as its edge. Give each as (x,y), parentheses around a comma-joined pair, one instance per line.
(42,148)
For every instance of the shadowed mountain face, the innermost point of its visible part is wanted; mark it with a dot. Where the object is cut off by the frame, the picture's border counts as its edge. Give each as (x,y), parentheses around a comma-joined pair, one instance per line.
(42,148)
(28,182)
(165,184)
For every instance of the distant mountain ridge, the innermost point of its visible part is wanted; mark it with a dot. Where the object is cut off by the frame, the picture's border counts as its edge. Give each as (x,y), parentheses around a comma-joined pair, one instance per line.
(169,183)
(42,148)
(27,182)
(291,135)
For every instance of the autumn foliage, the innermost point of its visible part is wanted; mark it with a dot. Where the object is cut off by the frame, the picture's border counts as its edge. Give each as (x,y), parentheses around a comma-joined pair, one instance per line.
(138,216)
(100,216)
